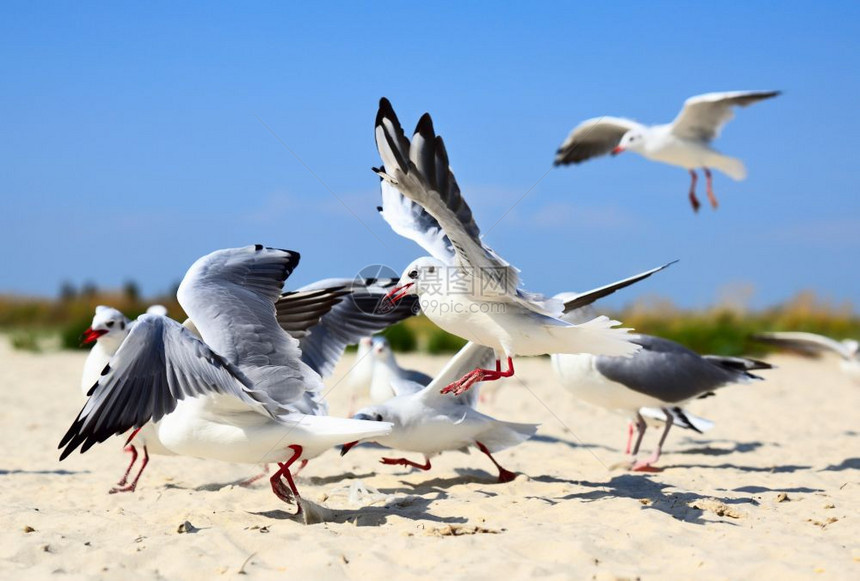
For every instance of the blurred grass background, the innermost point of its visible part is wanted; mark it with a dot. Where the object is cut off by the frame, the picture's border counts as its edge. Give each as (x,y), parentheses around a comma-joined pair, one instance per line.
(39,324)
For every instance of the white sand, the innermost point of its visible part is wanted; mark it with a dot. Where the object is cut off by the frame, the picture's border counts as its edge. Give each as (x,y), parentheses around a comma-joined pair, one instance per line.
(713,513)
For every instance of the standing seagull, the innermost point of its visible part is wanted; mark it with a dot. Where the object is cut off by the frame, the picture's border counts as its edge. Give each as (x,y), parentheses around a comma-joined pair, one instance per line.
(465,287)
(814,345)
(662,375)
(241,394)
(389,379)
(685,142)
(426,422)
(107,331)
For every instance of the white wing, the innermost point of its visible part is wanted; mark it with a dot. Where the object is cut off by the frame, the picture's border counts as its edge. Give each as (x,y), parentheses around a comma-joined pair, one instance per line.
(703,116)
(808,342)
(593,138)
(159,363)
(471,356)
(230,295)
(419,170)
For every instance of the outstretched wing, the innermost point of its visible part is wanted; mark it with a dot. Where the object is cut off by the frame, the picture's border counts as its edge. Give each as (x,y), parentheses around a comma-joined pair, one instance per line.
(704,116)
(419,171)
(230,295)
(299,310)
(354,317)
(808,343)
(158,364)
(593,138)
(573,301)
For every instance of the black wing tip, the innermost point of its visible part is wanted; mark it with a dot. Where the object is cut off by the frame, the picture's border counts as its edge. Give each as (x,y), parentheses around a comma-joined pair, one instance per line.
(424,127)
(386,111)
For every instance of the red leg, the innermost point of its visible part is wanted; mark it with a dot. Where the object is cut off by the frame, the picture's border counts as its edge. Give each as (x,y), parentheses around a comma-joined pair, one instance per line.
(710,186)
(249,481)
(131,487)
(504,475)
(648,464)
(694,201)
(302,465)
(629,437)
(405,462)
(133,451)
(478,375)
(281,491)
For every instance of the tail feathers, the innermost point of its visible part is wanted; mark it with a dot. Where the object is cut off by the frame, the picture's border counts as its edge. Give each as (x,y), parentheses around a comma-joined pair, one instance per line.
(502,435)
(681,418)
(739,364)
(732,167)
(339,429)
(597,337)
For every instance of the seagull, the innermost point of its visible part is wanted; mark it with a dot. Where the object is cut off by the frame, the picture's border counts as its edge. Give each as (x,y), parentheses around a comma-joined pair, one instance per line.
(108,330)
(428,423)
(685,142)
(464,287)
(239,393)
(814,344)
(389,379)
(663,375)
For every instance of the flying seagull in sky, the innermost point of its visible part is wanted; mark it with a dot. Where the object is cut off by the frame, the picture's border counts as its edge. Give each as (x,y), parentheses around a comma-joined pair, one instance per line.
(685,142)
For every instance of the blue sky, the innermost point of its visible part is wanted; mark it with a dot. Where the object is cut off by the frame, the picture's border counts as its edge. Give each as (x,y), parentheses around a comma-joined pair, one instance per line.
(136,138)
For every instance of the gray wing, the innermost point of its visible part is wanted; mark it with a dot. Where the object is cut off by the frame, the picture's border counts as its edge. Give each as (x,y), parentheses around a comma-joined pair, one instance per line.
(354,317)
(230,295)
(471,356)
(159,363)
(593,138)
(808,343)
(419,170)
(704,116)
(298,311)
(573,301)
(667,371)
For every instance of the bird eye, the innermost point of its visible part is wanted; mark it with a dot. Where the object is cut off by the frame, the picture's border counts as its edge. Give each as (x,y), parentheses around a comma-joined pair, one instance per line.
(109,324)
(413,274)
(378,417)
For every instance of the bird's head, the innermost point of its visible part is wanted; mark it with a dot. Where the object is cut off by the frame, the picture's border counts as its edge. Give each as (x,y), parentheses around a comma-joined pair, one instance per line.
(633,140)
(375,413)
(420,277)
(108,325)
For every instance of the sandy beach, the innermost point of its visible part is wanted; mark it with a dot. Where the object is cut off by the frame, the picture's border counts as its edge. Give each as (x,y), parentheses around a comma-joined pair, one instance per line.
(773,491)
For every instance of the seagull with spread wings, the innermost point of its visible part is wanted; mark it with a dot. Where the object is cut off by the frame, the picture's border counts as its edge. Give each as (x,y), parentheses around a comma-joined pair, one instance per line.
(464,287)
(238,393)
(685,142)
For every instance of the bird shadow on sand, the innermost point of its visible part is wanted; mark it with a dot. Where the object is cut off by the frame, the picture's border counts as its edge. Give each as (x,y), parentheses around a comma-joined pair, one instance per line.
(761,489)
(735,448)
(44,472)
(681,505)
(785,469)
(543,439)
(440,484)
(263,481)
(411,507)
(847,464)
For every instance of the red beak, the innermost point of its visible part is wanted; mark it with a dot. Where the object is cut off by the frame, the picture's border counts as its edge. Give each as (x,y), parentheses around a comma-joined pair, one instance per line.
(394,295)
(347,447)
(617,150)
(90,335)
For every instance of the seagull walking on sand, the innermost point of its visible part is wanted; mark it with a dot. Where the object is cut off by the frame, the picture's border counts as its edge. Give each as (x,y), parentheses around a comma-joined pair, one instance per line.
(239,393)
(685,142)
(426,422)
(464,287)
(662,376)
